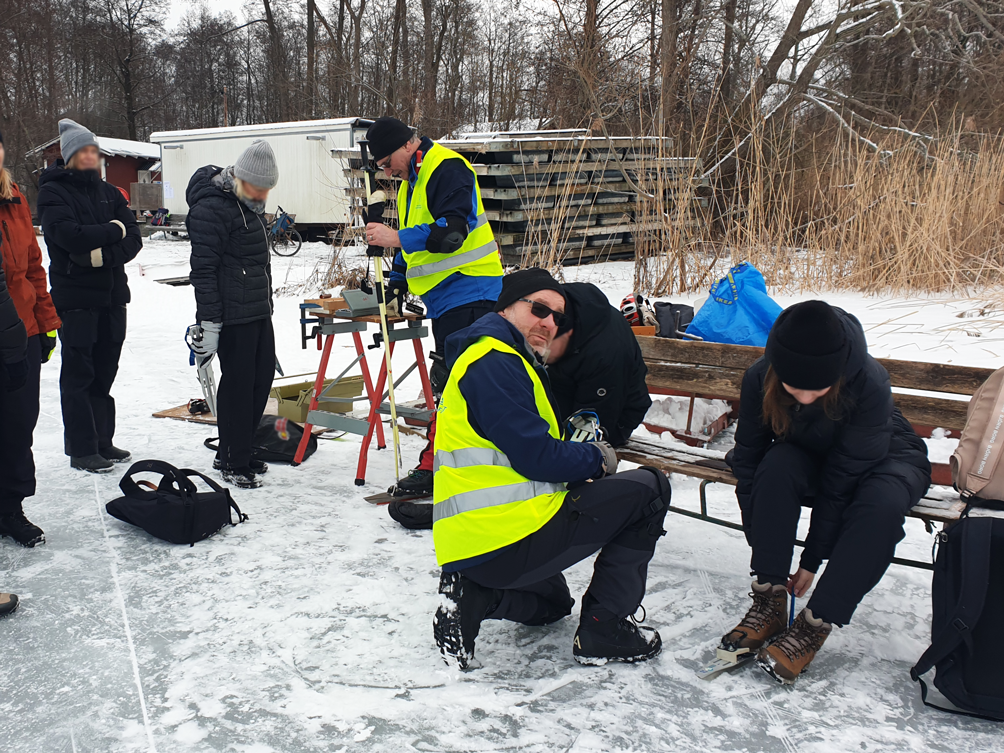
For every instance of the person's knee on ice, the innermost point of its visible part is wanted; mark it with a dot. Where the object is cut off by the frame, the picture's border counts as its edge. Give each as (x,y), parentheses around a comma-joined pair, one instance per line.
(817,420)
(502,470)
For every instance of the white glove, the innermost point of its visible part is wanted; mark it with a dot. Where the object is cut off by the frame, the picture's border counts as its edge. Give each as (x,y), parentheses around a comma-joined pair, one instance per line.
(206,341)
(609,457)
(121,227)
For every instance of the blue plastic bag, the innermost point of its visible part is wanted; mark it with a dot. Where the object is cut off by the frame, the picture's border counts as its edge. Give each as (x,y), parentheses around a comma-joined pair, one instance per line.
(738,310)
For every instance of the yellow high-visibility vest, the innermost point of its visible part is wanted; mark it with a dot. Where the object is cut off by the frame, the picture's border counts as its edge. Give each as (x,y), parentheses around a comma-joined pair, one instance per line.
(481,502)
(478,257)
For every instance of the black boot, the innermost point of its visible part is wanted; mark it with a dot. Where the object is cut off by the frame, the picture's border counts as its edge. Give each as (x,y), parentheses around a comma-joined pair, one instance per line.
(8,604)
(115,455)
(22,530)
(600,641)
(417,484)
(414,515)
(463,606)
(242,478)
(92,464)
(260,467)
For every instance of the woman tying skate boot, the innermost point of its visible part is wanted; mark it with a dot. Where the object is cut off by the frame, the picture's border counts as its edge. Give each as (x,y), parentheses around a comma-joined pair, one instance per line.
(817,428)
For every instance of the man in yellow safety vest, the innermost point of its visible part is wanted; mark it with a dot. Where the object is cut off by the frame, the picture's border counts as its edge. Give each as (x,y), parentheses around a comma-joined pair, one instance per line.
(515,504)
(448,257)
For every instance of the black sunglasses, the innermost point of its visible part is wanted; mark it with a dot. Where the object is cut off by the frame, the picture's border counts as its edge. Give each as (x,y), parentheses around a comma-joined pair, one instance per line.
(541,311)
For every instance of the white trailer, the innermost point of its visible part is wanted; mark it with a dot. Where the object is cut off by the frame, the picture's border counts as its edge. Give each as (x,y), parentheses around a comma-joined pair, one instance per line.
(312,163)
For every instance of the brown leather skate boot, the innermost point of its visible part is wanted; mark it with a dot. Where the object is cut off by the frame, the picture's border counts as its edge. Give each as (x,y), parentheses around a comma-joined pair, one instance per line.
(788,656)
(765,619)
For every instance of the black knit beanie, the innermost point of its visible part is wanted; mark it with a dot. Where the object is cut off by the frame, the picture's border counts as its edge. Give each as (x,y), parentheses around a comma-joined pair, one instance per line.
(386,136)
(526,282)
(807,346)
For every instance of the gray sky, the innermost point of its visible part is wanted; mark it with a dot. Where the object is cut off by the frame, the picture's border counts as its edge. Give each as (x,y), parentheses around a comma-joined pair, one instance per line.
(179,8)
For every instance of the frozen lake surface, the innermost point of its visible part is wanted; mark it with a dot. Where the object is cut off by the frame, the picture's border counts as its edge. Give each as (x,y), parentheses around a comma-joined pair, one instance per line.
(309,628)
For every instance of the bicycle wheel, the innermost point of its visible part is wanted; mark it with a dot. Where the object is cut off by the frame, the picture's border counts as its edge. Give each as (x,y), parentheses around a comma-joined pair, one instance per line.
(287,244)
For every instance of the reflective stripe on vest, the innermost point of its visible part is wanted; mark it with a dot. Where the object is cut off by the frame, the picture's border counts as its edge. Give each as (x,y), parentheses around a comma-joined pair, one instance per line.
(478,499)
(477,257)
(482,503)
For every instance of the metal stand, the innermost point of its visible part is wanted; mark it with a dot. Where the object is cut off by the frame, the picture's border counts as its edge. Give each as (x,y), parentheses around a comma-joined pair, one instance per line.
(376,392)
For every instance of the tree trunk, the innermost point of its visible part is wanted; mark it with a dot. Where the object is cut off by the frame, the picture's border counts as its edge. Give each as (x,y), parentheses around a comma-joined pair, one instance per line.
(670,34)
(311,54)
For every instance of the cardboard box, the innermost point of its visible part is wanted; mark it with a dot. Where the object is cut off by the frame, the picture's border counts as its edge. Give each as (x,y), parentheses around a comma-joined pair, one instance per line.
(294,398)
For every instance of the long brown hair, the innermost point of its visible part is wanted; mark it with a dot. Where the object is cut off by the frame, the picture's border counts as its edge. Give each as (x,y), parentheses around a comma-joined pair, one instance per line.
(777,403)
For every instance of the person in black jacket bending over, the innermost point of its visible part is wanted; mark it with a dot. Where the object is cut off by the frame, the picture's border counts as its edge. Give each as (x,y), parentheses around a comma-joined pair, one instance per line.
(91,235)
(818,428)
(232,277)
(595,364)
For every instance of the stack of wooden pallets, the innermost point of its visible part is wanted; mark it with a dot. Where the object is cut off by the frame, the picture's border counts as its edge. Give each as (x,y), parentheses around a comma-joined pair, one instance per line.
(559,198)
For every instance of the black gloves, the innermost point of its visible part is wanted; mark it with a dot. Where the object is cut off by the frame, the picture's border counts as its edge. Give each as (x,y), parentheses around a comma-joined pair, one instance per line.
(446,240)
(48,344)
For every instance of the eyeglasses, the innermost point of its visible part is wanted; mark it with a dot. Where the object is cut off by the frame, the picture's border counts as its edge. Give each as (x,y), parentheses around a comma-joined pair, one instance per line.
(541,311)
(385,163)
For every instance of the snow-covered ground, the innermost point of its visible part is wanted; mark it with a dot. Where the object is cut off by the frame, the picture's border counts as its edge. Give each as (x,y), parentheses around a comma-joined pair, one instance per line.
(309,627)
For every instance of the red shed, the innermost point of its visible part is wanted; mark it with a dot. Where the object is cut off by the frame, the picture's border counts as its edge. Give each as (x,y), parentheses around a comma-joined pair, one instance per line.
(122,160)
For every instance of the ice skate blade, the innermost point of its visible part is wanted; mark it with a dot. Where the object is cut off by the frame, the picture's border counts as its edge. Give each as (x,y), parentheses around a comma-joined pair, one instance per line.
(718,666)
(731,656)
(767,665)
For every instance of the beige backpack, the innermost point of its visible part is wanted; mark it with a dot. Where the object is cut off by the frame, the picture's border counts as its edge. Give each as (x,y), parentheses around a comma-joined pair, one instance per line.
(976,460)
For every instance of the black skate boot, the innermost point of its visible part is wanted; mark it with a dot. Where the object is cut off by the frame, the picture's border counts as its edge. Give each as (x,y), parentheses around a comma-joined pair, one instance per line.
(92,464)
(414,515)
(115,455)
(463,605)
(600,641)
(418,483)
(242,478)
(22,530)
(260,467)
(8,604)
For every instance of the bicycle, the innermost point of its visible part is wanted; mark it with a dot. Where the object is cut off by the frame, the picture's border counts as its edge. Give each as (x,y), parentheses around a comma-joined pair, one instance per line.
(283,238)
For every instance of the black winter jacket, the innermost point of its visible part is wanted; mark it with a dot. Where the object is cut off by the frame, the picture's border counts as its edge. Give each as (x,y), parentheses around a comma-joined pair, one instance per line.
(869,431)
(13,336)
(76,209)
(231,267)
(602,369)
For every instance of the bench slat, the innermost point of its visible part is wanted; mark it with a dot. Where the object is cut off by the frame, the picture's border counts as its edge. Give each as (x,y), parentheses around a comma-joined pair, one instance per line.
(918,375)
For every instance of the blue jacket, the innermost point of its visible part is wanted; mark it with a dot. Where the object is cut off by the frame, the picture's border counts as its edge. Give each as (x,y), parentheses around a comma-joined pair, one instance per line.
(451,193)
(502,409)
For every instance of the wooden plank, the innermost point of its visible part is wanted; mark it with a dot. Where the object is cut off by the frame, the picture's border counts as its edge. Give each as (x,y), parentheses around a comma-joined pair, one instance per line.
(652,164)
(917,375)
(932,411)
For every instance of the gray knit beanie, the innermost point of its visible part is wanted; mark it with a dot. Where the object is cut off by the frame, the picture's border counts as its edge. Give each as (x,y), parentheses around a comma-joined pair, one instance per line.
(73,137)
(257,166)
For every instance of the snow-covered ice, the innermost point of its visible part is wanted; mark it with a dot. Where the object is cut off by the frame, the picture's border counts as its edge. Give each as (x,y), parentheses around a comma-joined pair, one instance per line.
(309,627)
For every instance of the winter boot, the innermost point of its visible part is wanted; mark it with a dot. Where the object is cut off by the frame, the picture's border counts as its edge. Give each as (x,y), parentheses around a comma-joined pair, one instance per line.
(242,478)
(414,515)
(417,484)
(8,604)
(788,656)
(463,605)
(765,619)
(92,464)
(260,467)
(22,530)
(115,455)
(600,641)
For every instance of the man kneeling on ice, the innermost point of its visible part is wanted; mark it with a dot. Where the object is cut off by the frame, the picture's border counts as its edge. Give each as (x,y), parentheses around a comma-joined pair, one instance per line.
(515,505)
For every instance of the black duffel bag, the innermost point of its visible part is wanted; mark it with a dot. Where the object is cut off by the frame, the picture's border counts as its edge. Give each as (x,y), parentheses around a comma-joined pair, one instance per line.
(174,510)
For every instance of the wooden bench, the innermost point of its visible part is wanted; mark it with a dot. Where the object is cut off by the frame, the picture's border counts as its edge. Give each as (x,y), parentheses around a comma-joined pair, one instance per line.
(715,371)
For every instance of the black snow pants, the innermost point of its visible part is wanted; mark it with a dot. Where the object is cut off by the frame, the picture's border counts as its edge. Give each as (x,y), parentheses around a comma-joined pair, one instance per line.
(620,516)
(92,344)
(247,364)
(19,409)
(786,480)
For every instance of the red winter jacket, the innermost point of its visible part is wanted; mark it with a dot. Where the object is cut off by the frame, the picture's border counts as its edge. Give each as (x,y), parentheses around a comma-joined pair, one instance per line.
(22,262)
